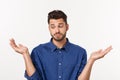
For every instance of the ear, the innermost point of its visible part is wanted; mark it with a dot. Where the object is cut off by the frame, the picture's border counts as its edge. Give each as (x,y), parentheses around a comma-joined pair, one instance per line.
(48,27)
(67,27)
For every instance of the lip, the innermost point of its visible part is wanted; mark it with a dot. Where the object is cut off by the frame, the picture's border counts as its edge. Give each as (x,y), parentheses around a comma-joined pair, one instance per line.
(57,34)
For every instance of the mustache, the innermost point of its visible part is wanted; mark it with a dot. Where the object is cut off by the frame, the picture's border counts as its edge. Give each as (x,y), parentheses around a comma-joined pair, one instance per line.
(58,33)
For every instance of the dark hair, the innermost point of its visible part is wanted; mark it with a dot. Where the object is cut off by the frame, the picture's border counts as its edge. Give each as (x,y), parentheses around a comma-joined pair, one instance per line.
(57,14)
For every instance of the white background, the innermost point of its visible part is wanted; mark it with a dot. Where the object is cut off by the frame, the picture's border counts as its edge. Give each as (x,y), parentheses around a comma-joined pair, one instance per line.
(94,24)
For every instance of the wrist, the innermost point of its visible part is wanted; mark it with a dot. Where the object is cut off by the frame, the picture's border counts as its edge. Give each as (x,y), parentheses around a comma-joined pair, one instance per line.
(91,60)
(25,54)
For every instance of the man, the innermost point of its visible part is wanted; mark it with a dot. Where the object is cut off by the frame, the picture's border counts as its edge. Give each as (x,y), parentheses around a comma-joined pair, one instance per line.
(58,59)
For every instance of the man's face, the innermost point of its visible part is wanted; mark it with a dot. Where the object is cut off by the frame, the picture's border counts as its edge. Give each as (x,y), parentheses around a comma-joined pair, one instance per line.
(58,29)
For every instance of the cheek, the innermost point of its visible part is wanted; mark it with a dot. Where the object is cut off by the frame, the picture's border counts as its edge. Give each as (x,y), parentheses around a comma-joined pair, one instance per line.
(63,31)
(52,32)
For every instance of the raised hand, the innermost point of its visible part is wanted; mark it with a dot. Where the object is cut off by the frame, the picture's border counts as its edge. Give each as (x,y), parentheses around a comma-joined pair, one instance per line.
(18,48)
(85,75)
(100,53)
(30,69)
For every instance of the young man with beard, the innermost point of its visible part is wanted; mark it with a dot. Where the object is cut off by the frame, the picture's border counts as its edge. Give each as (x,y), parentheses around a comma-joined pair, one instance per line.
(58,59)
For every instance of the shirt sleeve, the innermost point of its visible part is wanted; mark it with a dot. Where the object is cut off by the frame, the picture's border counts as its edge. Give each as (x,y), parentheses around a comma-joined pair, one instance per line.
(83,62)
(35,76)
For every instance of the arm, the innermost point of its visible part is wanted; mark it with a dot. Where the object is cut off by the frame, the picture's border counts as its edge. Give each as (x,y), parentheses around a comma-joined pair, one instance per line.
(85,75)
(30,69)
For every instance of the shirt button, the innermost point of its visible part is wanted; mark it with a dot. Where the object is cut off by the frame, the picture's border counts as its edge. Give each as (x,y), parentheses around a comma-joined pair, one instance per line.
(59,51)
(60,64)
(60,77)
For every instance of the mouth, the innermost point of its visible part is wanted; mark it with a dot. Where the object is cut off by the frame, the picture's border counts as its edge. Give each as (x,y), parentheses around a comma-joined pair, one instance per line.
(58,35)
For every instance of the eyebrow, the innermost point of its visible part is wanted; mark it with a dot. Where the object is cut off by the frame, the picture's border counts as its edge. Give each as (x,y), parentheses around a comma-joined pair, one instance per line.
(58,23)
(61,23)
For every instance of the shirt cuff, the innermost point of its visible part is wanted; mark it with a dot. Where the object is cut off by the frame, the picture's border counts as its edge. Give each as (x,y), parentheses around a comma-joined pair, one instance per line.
(35,76)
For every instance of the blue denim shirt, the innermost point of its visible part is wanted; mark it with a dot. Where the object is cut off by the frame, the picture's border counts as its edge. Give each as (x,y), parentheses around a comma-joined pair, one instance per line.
(52,63)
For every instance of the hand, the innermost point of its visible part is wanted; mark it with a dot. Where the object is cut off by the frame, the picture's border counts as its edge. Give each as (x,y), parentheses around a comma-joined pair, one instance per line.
(100,53)
(18,48)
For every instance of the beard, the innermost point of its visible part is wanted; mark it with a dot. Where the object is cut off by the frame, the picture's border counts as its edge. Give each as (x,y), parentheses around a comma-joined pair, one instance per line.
(60,37)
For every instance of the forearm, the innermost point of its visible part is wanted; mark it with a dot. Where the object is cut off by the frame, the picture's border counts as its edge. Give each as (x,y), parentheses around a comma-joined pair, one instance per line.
(30,69)
(85,75)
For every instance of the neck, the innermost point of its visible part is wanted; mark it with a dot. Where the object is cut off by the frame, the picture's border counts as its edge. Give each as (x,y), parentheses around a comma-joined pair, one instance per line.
(59,44)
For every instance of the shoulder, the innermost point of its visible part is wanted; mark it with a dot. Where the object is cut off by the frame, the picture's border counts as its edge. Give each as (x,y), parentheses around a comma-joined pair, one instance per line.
(40,48)
(78,47)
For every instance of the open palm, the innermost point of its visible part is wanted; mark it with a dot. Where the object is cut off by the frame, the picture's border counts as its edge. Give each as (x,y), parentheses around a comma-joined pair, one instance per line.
(18,48)
(100,53)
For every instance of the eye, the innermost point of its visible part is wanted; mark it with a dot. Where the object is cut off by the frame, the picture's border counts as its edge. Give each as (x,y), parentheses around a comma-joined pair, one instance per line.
(52,26)
(60,25)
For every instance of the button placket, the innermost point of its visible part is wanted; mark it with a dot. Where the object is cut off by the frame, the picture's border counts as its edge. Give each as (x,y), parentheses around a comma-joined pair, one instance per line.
(59,65)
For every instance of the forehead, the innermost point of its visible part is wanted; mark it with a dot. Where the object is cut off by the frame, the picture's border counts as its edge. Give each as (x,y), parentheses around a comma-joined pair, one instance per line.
(53,21)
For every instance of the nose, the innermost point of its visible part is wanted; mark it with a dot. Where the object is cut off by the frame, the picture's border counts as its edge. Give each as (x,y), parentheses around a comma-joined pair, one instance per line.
(57,30)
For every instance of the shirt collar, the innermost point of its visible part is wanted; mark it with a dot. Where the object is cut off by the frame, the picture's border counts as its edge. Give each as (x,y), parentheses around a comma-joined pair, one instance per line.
(65,47)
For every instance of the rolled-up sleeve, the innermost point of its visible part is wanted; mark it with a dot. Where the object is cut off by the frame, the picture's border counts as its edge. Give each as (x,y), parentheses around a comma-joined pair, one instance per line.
(35,76)
(83,62)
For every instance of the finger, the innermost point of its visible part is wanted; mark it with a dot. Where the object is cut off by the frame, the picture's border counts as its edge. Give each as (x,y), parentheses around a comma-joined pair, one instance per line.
(12,43)
(20,46)
(98,51)
(107,50)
